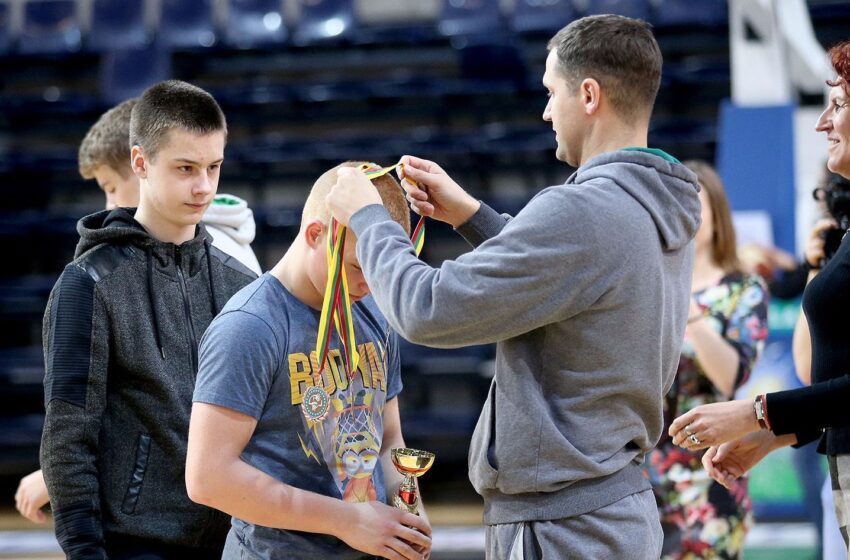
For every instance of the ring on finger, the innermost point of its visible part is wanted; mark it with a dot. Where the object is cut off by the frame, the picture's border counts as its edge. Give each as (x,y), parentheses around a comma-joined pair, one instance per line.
(694,439)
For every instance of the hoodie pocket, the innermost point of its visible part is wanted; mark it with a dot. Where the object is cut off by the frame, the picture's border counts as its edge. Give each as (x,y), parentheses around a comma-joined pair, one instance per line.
(482,471)
(134,488)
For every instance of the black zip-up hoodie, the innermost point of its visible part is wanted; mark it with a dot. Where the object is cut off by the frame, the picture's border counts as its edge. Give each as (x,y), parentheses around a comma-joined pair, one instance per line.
(120,335)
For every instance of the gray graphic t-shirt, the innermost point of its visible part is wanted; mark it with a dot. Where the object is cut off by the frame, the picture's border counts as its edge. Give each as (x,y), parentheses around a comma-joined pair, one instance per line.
(258,357)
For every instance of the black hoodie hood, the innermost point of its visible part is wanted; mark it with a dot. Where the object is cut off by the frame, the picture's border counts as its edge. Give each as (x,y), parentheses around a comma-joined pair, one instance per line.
(119,226)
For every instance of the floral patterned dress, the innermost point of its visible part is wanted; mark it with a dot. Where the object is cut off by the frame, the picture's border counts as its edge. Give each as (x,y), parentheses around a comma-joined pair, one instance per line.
(700,518)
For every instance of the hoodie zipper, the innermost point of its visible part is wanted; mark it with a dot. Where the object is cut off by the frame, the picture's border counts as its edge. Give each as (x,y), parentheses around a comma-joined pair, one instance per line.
(187,310)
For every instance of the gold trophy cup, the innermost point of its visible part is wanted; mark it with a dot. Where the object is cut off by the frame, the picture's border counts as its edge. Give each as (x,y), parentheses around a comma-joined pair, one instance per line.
(412,463)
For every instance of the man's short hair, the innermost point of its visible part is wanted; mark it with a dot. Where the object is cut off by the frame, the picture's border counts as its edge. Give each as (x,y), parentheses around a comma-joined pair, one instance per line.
(173,104)
(392,195)
(106,142)
(618,52)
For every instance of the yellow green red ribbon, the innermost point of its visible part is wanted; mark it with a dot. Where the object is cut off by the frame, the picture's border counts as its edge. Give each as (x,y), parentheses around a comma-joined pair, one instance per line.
(336,305)
(418,237)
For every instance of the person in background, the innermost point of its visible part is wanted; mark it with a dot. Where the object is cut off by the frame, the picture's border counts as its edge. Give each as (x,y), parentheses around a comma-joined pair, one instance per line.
(120,341)
(726,331)
(740,433)
(104,156)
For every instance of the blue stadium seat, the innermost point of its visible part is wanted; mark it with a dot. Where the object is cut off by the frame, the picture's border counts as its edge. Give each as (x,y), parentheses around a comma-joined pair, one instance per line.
(49,27)
(470,17)
(639,9)
(5,28)
(253,23)
(493,60)
(324,21)
(687,13)
(127,73)
(25,295)
(187,24)
(541,16)
(117,25)
(676,135)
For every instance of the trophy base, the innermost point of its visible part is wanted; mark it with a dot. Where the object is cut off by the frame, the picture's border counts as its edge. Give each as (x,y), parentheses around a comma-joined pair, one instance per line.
(404,506)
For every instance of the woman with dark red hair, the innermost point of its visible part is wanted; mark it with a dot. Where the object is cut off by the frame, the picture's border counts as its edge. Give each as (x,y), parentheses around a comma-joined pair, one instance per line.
(754,427)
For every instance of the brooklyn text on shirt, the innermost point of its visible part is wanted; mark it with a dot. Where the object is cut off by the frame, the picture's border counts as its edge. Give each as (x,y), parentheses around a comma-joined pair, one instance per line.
(371,369)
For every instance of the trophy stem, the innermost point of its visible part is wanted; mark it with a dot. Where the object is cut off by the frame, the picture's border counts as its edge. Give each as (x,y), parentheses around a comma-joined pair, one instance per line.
(407,491)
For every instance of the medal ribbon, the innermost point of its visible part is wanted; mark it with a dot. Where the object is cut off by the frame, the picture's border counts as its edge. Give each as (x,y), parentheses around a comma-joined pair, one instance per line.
(336,306)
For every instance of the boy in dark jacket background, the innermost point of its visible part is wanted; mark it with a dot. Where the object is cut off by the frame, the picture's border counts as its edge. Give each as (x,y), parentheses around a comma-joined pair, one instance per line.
(121,334)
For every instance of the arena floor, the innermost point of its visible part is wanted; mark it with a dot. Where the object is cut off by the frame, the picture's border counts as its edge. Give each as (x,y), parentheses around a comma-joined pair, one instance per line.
(458,535)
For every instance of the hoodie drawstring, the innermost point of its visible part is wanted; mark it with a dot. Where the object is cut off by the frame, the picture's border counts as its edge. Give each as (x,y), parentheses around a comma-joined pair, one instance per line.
(213,298)
(149,253)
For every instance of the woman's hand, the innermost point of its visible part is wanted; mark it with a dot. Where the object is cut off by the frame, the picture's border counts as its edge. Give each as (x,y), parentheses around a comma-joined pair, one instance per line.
(814,253)
(734,459)
(713,424)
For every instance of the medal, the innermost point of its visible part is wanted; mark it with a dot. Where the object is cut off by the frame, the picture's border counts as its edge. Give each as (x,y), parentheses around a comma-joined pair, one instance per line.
(316,404)
(336,309)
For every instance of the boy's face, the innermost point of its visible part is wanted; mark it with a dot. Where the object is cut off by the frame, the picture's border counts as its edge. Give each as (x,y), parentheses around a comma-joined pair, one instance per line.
(179,182)
(120,191)
(317,262)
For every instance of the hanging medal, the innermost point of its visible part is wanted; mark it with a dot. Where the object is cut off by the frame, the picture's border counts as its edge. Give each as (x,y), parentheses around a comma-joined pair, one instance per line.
(336,310)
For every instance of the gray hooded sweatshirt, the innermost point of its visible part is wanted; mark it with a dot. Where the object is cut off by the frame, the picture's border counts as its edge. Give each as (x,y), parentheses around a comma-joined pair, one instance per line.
(586,293)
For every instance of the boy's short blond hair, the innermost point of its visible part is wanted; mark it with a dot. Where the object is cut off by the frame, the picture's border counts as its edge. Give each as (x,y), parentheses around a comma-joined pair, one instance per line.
(106,142)
(392,195)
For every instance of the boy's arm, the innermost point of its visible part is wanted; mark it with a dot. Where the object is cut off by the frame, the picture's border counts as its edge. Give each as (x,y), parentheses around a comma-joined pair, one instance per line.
(392,439)
(216,476)
(76,351)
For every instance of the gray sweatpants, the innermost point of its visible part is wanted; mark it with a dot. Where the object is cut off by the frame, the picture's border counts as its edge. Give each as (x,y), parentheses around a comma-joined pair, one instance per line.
(628,529)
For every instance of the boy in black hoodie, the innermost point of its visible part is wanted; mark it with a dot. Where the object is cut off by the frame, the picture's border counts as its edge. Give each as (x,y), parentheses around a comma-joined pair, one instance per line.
(121,333)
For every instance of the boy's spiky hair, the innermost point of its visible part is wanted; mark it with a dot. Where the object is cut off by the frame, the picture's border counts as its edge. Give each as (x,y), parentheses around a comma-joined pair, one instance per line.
(173,104)
(106,142)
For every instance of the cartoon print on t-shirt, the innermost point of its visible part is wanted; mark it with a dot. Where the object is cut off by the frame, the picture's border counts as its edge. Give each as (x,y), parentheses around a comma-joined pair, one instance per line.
(349,438)
(357,447)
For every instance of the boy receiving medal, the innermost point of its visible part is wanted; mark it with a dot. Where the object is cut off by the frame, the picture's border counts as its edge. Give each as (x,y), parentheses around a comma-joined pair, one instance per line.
(294,409)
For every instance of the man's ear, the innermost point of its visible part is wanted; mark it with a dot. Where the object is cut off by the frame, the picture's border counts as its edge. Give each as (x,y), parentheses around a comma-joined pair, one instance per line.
(313,233)
(138,161)
(591,94)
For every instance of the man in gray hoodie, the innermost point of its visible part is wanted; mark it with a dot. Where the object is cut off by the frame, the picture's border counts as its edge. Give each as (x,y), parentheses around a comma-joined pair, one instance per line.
(585,292)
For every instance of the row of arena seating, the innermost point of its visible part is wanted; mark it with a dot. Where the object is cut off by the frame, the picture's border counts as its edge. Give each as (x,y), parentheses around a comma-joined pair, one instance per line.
(57,26)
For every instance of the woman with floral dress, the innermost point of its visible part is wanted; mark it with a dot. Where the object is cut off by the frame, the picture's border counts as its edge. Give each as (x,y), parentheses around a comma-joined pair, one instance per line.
(726,331)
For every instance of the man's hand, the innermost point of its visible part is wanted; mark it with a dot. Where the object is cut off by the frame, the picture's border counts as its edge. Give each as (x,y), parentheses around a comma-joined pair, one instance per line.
(378,529)
(432,193)
(734,459)
(351,192)
(714,424)
(31,496)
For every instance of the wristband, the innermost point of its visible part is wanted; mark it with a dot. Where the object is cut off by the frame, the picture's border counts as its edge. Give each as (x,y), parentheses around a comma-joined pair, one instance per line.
(760,409)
